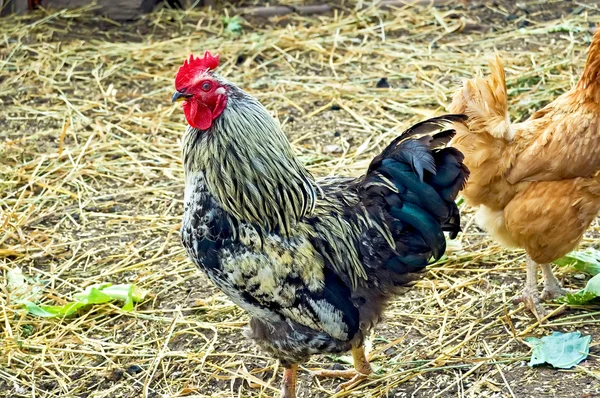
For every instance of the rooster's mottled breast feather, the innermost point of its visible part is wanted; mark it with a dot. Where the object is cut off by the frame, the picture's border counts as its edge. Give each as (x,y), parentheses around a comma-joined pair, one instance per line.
(270,276)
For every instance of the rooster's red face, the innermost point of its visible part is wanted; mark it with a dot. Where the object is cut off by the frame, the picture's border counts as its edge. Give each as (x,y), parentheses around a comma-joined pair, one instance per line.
(204,96)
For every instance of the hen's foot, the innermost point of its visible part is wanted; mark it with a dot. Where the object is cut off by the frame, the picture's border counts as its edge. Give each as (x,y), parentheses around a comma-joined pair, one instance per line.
(553,292)
(531,299)
(361,370)
(532,302)
(552,287)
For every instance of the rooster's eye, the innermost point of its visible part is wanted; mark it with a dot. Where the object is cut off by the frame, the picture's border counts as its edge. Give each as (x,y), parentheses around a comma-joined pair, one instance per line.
(206,86)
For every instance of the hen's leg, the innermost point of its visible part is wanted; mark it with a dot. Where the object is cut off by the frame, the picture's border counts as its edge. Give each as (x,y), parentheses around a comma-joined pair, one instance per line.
(530,296)
(289,382)
(361,370)
(552,287)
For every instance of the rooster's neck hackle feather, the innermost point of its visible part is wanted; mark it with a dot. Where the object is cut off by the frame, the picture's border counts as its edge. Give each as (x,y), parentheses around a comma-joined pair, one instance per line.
(249,166)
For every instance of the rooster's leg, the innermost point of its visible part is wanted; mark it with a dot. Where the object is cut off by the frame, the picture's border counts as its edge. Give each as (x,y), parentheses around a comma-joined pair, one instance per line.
(361,370)
(289,382)
(530,296)
(552,287)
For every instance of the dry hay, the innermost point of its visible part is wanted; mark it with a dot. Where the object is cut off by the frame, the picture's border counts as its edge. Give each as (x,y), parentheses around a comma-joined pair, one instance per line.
(91,191)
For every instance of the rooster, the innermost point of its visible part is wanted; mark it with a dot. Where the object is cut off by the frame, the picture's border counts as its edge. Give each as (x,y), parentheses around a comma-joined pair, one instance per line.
(536,184)
(313,261)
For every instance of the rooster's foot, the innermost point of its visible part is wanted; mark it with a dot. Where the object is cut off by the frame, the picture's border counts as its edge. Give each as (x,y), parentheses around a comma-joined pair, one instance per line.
(337,374)
(354,375)
(361,370)
(288,389)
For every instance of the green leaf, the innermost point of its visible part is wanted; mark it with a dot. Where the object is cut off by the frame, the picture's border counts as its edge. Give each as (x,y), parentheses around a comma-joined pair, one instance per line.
(52,311)
(347,359)
(593,285)
(94,294)
(580,298)
(232,24)
(585,261)
(591,291)
(27,330)
(561,350)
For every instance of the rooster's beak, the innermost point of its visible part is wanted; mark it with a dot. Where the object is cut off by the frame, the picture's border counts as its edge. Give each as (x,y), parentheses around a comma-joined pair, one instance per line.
(179,96)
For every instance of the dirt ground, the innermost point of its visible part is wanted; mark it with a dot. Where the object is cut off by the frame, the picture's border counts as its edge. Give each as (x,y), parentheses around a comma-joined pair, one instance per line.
(91,189)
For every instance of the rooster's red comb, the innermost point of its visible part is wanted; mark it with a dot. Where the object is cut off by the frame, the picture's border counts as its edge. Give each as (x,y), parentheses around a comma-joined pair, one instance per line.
(192,66)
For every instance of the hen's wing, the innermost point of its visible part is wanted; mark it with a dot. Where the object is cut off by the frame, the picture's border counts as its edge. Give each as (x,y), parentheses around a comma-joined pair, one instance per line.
(567,131)
(567,147)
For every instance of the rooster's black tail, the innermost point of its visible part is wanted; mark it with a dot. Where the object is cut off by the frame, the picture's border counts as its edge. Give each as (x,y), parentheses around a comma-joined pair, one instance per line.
(415,181)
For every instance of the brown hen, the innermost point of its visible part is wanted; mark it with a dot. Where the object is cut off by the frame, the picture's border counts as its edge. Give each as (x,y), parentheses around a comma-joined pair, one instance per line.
(536,184)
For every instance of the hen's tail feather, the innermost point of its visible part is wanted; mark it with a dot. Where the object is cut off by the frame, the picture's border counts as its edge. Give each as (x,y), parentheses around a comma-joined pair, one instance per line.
(415,181)
(484,101)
